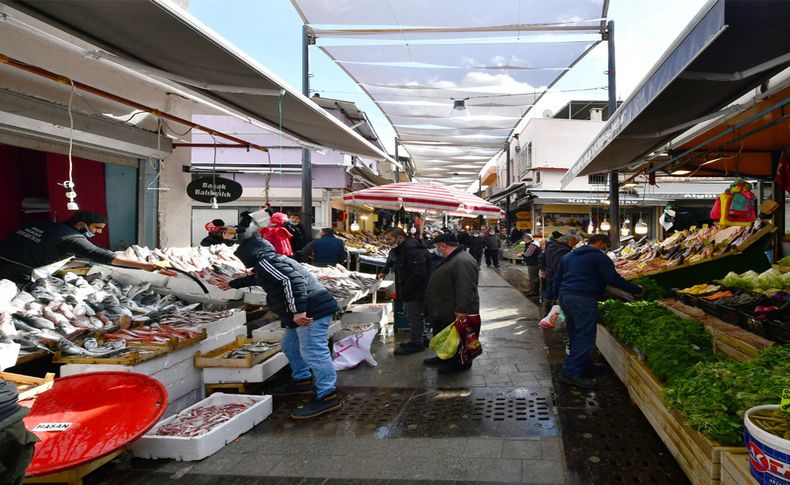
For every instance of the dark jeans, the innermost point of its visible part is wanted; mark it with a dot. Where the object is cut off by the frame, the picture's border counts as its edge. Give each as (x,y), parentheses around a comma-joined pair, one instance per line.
(581,319)
(415,314)
(492,257)
(478,257)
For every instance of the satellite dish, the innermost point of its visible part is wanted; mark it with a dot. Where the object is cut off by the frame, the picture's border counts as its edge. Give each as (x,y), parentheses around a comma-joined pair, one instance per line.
(547,113)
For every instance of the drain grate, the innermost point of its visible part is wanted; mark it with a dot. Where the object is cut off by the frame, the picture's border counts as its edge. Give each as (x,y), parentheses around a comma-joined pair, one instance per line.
(476,412)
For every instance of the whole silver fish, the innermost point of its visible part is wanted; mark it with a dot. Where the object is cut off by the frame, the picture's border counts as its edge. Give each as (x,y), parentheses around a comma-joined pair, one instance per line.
(35,321)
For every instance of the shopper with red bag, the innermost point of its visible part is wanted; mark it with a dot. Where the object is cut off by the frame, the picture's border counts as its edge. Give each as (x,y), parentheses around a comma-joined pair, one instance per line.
(452,299)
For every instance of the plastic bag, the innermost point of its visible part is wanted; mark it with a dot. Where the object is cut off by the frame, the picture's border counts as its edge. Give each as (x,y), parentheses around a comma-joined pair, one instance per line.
(468,330)
(554,319)
(445,343)
(349,352)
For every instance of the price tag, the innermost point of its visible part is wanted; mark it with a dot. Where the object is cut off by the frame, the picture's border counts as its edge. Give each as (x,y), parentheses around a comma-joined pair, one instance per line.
(785,404)
(692,228)
(704,226)
(51,427)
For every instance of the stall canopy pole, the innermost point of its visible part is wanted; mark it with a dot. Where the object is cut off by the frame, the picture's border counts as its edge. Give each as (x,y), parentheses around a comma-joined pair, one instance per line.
(779,198)
(307,173)
(614,185)
(397,169)
(508,175)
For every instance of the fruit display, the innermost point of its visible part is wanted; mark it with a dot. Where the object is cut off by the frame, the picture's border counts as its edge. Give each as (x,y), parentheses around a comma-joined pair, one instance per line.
(641,257)
(701,289)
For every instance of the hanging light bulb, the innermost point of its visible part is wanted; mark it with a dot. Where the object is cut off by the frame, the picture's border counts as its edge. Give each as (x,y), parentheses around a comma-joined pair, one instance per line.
(214,204)
(590,227)
(640,227)
(354,226)
(624,229)
(605,226)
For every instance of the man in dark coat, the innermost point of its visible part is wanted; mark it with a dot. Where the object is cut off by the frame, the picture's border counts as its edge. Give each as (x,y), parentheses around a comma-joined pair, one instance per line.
(477,245)
(452,293)
(531,255)
(554,254)
(580,280)
(412,268)
(493,243)
(327,250)
(305,309)
(298,237)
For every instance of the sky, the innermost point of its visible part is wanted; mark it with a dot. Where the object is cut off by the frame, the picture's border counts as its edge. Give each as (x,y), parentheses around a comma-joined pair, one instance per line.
(270,31)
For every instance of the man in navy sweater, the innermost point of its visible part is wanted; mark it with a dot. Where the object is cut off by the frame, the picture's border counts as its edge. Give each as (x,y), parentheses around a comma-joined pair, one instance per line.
(580,280)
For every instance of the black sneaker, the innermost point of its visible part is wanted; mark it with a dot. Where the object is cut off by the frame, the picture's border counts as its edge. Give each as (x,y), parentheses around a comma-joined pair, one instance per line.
(433,361)
(410,348)
(317,407)
(578,381)
(426,342)
(294,388)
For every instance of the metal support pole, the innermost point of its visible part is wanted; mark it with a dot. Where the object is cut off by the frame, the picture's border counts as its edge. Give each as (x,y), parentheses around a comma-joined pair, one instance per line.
(779,215)
(614,182)
(307,169)
(397,159)
(508,175)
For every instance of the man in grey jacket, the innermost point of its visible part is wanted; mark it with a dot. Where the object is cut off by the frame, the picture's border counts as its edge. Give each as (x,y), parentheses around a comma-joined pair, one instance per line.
(451,293)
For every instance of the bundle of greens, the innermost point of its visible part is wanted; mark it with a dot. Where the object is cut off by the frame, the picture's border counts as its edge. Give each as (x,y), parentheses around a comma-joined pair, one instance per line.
(670,344)
(714,396)
(653,291)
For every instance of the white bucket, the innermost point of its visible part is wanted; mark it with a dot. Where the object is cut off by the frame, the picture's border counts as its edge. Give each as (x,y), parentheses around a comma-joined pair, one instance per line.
(769,455)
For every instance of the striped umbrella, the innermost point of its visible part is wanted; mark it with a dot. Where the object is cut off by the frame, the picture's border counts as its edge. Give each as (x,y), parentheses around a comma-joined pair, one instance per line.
(417,197)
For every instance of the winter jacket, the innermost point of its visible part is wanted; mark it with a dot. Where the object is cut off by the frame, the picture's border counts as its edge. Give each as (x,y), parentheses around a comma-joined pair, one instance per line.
(554,253)
(586,271)
(289,287)
(493,242)
(452,288)
(214,239)
(326,251)
(280,238)
(299,239)
(412,269)
(531,254)
(476,245)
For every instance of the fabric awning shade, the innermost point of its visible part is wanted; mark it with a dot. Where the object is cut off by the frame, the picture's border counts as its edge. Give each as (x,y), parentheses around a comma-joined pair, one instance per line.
(539,197)
(732,46)
(158,35)
(459,67)
(419,197)
(508,191)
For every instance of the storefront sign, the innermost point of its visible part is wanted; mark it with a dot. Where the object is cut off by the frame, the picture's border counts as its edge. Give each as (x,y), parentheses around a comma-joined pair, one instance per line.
(523,215)
(204,189)
(523,225)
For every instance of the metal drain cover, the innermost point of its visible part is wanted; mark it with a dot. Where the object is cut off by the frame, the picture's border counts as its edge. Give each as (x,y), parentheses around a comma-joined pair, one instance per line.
(478,412)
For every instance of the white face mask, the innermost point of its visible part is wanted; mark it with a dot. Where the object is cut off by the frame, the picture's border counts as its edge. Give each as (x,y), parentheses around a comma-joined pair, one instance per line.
(437,252)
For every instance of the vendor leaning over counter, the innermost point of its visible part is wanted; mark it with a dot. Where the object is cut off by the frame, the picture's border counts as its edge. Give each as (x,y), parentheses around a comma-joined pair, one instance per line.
(16,442)
(41,248)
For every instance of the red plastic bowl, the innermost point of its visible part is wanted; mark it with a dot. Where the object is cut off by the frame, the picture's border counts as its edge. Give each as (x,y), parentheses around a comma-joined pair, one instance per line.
(107,411)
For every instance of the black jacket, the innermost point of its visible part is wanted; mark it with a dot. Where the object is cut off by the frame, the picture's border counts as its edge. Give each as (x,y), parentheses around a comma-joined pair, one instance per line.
(493,242)
(477,245)
(327,250)
(298,239)
(289,287)
(214,239)
(45,243)
(452,288)
(532,253)
(412,269)
(554,253)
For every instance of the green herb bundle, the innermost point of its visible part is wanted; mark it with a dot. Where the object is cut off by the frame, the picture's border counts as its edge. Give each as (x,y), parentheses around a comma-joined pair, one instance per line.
(653,291)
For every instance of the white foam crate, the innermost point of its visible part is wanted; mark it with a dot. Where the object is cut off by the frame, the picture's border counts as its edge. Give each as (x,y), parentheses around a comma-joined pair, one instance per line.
(271,332)
(199,447)
(256,296)
(347,332)
(223,325)
(364,315)
(177,405)
(221,339)
(335,327)
(257,373)
(187,286)
(386,308)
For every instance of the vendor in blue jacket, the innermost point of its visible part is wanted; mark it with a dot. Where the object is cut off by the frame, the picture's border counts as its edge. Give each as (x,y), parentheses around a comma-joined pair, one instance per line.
(305,309)
(580,280)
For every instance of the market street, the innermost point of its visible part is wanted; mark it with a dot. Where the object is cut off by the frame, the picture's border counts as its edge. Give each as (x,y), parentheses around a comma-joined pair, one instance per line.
(401,422)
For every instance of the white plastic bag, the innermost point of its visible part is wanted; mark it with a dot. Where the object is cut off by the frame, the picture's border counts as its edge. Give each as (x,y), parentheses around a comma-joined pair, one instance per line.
(349,352)
(553,320)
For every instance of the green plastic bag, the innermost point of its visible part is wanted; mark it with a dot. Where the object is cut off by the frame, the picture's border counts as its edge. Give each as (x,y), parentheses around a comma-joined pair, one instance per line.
(445,343)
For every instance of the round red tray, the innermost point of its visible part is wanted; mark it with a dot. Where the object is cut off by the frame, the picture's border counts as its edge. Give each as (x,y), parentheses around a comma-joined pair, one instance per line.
(105,412)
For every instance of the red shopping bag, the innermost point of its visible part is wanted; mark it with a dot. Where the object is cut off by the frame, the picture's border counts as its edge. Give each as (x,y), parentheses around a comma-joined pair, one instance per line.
(469,330)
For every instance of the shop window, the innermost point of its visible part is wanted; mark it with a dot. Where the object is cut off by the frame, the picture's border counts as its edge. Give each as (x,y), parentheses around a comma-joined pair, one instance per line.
(598,179)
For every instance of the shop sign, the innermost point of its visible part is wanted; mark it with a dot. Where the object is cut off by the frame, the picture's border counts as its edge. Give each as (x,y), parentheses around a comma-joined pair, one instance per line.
(523,215)
(700,196)
(521,225)
(204,189)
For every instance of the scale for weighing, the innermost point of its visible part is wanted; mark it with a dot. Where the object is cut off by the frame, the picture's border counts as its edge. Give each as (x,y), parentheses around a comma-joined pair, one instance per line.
(86,420)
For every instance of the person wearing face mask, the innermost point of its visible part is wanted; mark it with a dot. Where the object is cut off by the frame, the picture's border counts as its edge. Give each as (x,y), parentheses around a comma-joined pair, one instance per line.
(452,293)
(39,249)
(477,246)
(580,280)
(412,265)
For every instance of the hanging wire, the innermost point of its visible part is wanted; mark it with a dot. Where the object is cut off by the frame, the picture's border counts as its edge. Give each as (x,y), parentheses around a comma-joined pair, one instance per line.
(71,133)
(160,161)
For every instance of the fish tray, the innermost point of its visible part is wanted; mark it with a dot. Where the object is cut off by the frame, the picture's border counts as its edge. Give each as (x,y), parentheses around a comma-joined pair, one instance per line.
(173,343)
(179,448)
(233,375)
(735,469)
(215,358)
(132,358)
(29,386)
(699,457)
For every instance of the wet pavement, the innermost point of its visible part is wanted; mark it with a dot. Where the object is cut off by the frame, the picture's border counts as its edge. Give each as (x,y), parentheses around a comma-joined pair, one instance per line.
(403,423)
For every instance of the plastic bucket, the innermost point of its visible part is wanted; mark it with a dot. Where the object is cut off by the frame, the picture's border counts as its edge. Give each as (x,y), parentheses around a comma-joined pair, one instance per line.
(769,455)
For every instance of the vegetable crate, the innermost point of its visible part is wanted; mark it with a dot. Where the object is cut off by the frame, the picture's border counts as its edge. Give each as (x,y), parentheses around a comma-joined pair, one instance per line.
(735,469)
(699,457)
(217,357)
(29,386)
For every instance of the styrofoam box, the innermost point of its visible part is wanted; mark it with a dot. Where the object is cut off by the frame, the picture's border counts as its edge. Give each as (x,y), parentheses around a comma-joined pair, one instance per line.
(149,367)
(188,287)
(175,406)
(238,319)
(366,316)
(199,447)
(334,327)
(257,373)
(222,339)
(371,307)
(272,332)
(255,297)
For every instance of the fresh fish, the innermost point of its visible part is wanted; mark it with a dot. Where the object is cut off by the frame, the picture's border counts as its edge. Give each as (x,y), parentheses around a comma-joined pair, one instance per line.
(7,329)
(22,299)
(35,321)
(49,312)
(112,348)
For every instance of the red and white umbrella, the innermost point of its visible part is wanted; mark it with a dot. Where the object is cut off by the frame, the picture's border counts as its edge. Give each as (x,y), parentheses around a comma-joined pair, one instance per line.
(417,197)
